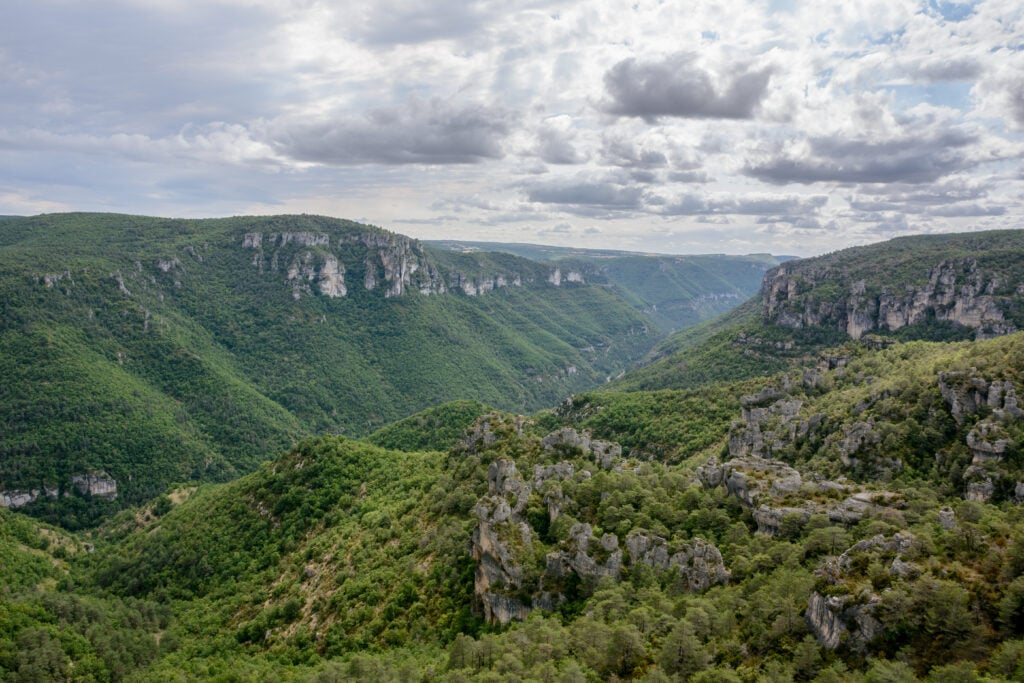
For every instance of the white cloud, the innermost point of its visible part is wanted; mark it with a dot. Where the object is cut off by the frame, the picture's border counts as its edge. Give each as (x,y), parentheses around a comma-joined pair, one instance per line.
(790,131)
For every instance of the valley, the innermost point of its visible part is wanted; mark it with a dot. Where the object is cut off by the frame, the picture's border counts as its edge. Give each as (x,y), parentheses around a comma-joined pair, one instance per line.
(340,454)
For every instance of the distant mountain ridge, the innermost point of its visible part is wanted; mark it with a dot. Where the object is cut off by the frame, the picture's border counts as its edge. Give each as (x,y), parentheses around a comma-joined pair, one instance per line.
(676,292)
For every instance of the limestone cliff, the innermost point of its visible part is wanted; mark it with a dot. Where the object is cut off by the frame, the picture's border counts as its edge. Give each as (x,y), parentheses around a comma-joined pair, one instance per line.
(94,483)
(806,294)
(318,262)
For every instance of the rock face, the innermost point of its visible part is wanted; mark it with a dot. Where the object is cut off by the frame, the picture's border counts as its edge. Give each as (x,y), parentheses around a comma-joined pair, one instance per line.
(586,555)
(17,498)
(989,440)
(830,620)
(499,541)
(844,619)
(768,422)
(96,483)
(764,486)
(957,291)
(509,541)
(315,262)
(605,453)
(699,563)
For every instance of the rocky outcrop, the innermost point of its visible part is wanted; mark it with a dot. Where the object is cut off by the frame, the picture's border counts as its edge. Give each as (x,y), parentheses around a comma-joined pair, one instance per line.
(699,563)
(399,265)
(567,440)
(764,486)
(17,498)
(95,483)
(751,479)
(315,263)
(499,542)
(479,285)
(488,430)
(850,620)
(587,556)
(768,423)
(957,291)
(969,395)
(833,622)
(557,277)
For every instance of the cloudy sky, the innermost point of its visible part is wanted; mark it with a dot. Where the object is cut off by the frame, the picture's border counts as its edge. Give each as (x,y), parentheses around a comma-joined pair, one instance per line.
(681,127)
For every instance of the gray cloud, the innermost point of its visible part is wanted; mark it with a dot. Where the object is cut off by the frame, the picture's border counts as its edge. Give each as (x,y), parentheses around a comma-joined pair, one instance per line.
(608,195)
(555,147)
(689,177)
(952,198)
(677,86)
(938,70)
(431,132)
(912,159)
(619,152)
(804,222)
(1015,100)
(698,204)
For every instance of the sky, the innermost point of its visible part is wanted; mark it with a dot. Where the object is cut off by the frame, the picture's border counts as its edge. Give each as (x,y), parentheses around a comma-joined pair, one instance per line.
(676,127)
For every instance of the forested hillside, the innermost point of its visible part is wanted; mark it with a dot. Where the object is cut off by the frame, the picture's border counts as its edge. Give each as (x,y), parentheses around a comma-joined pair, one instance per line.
(787,502)
(135,352)
(809,532)
(936,287)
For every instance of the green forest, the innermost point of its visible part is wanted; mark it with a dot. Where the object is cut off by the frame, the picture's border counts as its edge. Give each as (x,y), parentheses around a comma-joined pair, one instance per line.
(746,499)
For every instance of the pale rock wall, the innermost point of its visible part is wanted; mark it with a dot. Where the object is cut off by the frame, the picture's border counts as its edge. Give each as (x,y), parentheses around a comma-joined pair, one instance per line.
(956,291)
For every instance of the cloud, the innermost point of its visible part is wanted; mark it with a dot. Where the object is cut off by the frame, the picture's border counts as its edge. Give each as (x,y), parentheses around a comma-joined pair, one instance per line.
(1001,92)
(624,153)
(580,193)
(679,87)
(942,68)
(391,22)
(952,198)
(692,204)
(217,143)
(912,158)
(555,143)
(432,132)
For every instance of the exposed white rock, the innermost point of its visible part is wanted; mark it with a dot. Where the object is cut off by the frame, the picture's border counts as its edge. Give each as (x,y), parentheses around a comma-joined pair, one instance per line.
(96,483)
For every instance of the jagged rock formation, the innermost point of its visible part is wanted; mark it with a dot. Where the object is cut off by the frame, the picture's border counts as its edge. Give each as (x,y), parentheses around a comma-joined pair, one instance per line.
(605,453)
(589,557)
(848,619)
(17,498)
(699,563)
(95,483)
(969,395)
(501,532)
(780,422)
(830,619)
(773,491)
(390,262)
(958,291)
(508,539)
(767,423)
